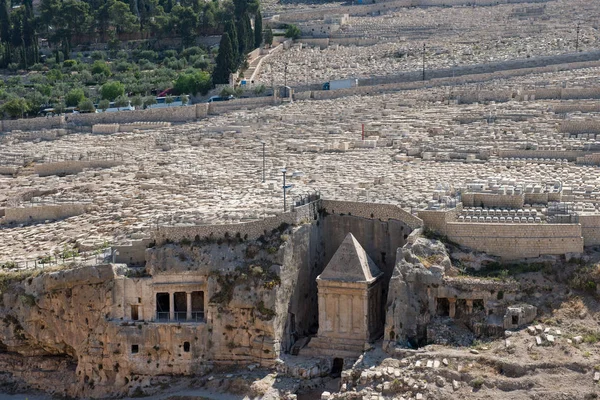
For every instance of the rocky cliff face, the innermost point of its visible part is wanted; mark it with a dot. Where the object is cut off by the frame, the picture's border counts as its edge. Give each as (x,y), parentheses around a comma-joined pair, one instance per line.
(61,331)
(420,266)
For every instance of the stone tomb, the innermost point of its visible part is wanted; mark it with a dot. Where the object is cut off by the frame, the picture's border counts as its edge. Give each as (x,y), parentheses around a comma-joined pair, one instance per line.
(350,312)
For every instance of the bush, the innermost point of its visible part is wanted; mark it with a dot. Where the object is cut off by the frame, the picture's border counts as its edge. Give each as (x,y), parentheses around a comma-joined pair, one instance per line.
(100,68)
(147,54)
(69,64)
(97,55)
(293,32)
(86,105)
(111,90)
(104,104)
(197,82)
(170,53)
(192,51)
(15,107)
(74,97)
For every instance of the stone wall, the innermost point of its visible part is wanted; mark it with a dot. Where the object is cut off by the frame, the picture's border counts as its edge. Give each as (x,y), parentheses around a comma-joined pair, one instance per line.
(167,114)
(132,253)
(380,211)
(241,104)
(570,155)
(385,6)
(42,212)
(72,166)
(590,227)
(509,241)
(247,230)
(515,241)
(490,200)
(579,126)
(32,124)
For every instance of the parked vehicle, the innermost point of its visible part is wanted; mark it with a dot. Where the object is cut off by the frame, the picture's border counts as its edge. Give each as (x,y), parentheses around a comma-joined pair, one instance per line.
(213,99)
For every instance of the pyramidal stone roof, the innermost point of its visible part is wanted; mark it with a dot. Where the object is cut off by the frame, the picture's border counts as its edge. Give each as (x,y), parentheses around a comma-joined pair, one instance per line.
(350,263)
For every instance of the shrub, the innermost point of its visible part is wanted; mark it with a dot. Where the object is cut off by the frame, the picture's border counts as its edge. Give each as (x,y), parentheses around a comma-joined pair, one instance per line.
(74,97)
(100,68)
(111,90)
(86,105)
(293,32)
(69,63)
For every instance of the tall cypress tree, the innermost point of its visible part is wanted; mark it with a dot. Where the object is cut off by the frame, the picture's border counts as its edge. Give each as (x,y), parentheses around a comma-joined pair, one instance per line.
(224,61)
(232,32)
(242,37)
(258,34)
(5,30)
(249,33)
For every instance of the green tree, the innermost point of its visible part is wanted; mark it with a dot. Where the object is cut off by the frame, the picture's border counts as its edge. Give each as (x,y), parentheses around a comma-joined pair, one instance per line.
(258,31)
(59,108)
(122,101)
(16,107)
(104,104)
(149,101)
(293,32)
(5,39)
(101,68)
(111,90)
(223,62)
(86,105)
(233,36)
(249,33)
(242,35)
(268,37)
(169,100)
(121,18)
(186,24)
(193,83)
(137,102)
(74,97)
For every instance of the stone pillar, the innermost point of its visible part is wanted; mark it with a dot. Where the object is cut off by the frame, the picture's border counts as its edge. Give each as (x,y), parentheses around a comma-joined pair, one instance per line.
(188,297)
(171,306)
(469,306)
(452,310)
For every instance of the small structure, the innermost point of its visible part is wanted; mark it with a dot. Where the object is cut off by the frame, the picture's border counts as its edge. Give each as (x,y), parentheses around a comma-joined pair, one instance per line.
(350,304)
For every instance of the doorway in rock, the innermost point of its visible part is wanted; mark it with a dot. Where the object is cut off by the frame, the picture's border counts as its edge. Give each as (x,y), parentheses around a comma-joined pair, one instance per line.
(336,367)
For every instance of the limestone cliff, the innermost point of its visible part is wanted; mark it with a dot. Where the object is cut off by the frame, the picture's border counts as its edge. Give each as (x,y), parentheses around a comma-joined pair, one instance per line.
(73,332)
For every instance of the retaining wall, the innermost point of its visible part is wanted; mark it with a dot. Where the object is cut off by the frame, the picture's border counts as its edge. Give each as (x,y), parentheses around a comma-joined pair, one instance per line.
(383,212)
(509,241)
(570,155)
(590,227)
(42,212)
(515,241)
(247,230)
(383,7)
(493,200)
(579,126)
(72,167)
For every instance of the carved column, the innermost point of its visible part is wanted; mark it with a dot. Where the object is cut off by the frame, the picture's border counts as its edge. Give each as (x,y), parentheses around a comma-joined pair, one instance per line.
(452,311)
(171,306)
(188,296)
(469,306)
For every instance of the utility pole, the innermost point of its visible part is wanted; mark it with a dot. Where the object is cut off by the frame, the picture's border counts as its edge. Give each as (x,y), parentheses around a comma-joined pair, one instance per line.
(285,76)
(263,143)
(285,188)
(577,40)
(423,61)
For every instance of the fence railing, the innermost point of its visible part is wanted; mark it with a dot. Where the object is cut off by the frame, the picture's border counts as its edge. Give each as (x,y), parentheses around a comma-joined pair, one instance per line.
(179,316)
